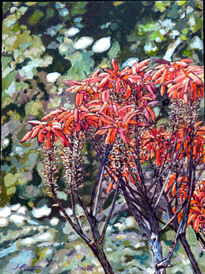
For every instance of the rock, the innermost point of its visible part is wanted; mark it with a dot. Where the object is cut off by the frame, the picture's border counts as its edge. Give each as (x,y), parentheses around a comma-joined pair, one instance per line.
(17,219)
(52,77)
(3,222)
(102,45)
(27,241)
(15,207)
(54,221)
(196,43)
(5,211)
(44,237)
(71,32)
(41,211)
(83,42)
(22,210)
(130,222)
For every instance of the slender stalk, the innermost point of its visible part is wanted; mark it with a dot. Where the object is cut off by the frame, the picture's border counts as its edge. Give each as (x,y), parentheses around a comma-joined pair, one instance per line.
(94,246)
(150,229)
(100,254)
(189,253)
(96,190)
(102,237)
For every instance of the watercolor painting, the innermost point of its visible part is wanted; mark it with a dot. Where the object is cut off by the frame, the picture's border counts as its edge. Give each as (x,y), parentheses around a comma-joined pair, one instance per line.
(102,137)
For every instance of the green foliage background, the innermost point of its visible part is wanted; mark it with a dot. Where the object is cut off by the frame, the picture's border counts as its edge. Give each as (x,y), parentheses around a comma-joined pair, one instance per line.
(37,40)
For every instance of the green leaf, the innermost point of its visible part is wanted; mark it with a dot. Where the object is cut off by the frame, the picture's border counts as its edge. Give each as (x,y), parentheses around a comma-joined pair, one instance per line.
(35,17)
(6,82)
(114,50)
(34,108)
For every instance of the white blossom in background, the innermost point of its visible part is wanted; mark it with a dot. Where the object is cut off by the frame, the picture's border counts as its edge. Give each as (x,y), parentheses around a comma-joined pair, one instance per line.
(192,21)
(5,142)
(102,45)
(71,32)
(54,221)
(149,47)
(64,12)
(17,219)
(27,241)
(15,207)
(46,236)
(196,43)
(174,34)
(41,211)
(3,222)
(5,211)
(22,210)
(83,42)
(52,77)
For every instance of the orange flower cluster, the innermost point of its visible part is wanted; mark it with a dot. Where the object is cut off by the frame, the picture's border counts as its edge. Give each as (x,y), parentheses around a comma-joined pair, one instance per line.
(197,208)
(181,80)
(108,102)
(156,143)
(178,187)
(112,103)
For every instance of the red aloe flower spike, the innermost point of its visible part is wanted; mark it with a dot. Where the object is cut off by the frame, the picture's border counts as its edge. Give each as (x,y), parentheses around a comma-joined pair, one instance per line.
(114,65)
(151,112)
(103,82)
(27,136)
(109,187)
(61,137)
(52,114)
(106,118)
(66,117)
(188,60)
(35,131)
(69,121)
(117,85)
(196,79)
(95,74)
(105,95)
(182,64)
(76,115)
(180,78)
(48,141)
(142,64)
(101,131)
(198,123)
(79,99)
(146,98)
(162,90)
(40,137)
(164,76)
(34,122)
(115,110)
(105,105)
(122,135)
(66,131)
(161,61)
(107,140)
(157,74)
(128,116)
(73,83)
